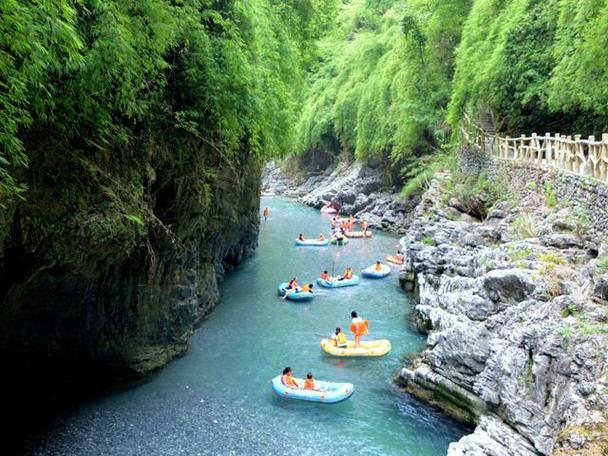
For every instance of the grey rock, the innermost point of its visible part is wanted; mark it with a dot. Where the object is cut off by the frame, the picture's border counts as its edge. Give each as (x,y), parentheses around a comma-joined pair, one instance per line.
(562,241)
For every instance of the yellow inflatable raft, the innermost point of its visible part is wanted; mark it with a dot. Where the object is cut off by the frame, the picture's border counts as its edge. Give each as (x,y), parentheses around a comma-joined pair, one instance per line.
(367,348)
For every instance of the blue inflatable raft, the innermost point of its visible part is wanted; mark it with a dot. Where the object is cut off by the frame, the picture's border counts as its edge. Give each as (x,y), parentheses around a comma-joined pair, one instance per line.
(335,283)
(371,272)
(312,243)
(298,296)
(330,393)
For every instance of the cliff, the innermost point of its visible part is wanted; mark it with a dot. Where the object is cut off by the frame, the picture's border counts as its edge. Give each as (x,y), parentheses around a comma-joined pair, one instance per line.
(512,289)
(360,189)
(112,261)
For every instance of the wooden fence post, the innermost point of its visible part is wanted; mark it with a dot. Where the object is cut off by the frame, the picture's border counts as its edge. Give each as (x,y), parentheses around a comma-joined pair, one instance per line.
(548,150)
(604,158)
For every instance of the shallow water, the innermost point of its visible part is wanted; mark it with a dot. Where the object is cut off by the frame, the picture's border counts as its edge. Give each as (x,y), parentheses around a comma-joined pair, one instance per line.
(218,400)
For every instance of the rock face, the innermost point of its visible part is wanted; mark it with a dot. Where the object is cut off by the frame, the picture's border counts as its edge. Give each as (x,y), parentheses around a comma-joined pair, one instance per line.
(110,264)
(517,326)
(358,189)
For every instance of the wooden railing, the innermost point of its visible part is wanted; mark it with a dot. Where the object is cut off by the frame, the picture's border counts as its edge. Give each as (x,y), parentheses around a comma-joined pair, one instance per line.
(586,157)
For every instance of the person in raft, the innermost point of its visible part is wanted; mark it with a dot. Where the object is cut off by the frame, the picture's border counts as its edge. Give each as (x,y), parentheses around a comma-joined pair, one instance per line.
(266,213)
(306,288)
(321,237)
(325,276)
(378,266)
(358,327)
(339,338)
(292,287)
(301,237)
(309,383)
(351,222)
(364,227)
(288,380)
(399,256)
(348,274)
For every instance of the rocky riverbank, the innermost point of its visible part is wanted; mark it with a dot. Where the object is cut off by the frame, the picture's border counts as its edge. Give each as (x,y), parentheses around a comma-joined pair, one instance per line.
(359,189)
(516,311)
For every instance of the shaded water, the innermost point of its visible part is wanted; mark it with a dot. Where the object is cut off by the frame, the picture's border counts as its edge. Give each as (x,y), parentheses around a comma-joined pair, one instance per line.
(218,400)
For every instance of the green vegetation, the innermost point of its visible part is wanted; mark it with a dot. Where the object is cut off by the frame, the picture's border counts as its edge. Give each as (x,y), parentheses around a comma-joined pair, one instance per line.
(565,331)
(418,174)
(385,81)
(393,73)
(477,193)
(382,87)
(539,65)
(525,227)
(551,258)
(570,310)
(550,196)
(427,240)
(97,75)
(602,265)
(488,264)
(581,221)
(518,253)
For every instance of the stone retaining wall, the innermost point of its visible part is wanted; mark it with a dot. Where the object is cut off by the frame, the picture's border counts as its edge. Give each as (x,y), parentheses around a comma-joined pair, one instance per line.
(588,197)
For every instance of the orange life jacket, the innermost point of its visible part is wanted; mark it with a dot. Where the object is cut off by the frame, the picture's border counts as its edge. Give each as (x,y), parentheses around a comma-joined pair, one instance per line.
(289,381)
(305,288)
(309,384)
(360,328)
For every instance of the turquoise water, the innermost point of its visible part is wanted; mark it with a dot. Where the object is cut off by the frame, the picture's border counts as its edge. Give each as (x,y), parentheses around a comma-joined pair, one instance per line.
(218,400)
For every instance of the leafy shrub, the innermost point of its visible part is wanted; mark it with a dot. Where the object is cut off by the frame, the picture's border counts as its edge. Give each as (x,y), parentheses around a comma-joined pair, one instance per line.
(550,196)
(422,170)
(602,265)
(552,259)
(427,240)
(525,227)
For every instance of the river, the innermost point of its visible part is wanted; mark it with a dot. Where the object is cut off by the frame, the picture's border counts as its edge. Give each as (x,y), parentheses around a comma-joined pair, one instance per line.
(217,399)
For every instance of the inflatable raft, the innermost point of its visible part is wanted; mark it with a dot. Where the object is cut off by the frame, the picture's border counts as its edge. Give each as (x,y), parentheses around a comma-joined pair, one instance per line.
(312,243)
(371,272)
(331,393)
(328,209)
(359,234)
(298,296)
(344,241)
(393,260)
(335,283)
(367,348)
